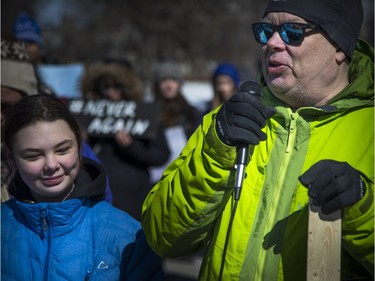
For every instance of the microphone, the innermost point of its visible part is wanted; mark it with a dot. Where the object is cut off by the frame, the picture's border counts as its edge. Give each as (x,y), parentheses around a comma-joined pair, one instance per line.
(242,156)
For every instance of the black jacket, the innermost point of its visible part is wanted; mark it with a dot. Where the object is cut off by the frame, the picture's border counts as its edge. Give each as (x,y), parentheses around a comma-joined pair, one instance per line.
(127,168)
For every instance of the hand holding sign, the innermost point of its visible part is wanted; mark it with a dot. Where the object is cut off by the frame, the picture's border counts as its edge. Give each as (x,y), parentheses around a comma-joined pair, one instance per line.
(123,138)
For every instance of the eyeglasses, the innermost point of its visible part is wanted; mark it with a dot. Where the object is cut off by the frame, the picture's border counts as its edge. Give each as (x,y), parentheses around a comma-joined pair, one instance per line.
(292,33)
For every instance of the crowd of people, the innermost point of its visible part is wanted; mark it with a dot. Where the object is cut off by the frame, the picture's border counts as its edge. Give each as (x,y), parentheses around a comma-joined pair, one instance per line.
(231,184)
(126,159)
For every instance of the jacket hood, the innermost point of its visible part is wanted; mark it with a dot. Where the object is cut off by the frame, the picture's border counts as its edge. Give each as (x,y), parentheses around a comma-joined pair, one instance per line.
(361,71)
(90,182)
(122,75)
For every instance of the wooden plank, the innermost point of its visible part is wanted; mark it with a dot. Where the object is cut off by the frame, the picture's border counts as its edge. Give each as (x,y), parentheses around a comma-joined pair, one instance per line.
(324,245)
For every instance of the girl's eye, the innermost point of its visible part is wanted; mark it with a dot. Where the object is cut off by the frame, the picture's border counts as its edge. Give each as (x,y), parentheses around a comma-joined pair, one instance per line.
(32,157)
(63,150)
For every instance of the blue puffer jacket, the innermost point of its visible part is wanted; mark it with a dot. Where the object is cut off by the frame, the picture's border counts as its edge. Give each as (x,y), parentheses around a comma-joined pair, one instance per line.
(82,238)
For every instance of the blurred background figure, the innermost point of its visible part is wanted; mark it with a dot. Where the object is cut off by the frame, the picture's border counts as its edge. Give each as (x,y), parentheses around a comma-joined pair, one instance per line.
(176,111)
(18,80)
(27,30)
(125,158)
(225,82)
(17,73)
(178,117)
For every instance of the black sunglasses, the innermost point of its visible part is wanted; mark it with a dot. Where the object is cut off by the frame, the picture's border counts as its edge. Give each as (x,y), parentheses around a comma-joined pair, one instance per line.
(292,33)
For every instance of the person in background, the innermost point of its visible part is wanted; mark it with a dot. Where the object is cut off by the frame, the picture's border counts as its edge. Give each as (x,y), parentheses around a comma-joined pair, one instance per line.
(18,80)
(225,82)
(17,74)
(58,225)
(306,133)
(125,158)
(179,118)
(176,111)
(26,29)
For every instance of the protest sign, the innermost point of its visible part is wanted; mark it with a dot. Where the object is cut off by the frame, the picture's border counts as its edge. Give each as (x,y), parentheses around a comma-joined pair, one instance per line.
(63,79)
(104,117)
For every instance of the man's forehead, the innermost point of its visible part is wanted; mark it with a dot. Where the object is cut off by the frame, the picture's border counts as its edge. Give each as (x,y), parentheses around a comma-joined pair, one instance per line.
(283,17)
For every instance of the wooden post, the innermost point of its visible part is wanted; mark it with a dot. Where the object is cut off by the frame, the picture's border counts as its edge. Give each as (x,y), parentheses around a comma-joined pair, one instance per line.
(324,245)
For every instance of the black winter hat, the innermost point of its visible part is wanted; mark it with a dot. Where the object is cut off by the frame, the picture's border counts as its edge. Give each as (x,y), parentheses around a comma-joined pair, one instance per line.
(341,20)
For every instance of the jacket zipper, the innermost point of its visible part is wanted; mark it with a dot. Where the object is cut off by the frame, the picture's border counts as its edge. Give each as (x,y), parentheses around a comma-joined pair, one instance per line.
(44,220)
(283,170)
(47,235)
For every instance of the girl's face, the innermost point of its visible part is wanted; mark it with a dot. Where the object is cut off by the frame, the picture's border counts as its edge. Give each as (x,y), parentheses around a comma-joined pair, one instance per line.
(169,88)
(46,155)
(224,87)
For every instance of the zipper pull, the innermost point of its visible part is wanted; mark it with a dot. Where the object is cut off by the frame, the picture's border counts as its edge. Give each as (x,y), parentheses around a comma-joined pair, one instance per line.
(43,214)
(292,132)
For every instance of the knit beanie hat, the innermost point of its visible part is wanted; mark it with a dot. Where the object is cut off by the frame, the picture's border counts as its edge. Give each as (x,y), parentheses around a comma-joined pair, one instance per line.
(27,29)
(16,70)
(167,70)
(227,69)
(341,20)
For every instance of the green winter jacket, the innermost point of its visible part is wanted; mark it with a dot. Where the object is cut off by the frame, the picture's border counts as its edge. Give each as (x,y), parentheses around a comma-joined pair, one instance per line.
(190,208)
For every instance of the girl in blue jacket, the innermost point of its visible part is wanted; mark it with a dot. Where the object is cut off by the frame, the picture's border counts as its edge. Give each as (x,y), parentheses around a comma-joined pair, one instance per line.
(58,225)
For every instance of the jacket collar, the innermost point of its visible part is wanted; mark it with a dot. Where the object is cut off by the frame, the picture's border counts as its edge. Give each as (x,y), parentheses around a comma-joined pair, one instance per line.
(55,219)
(62,217)
(90,182)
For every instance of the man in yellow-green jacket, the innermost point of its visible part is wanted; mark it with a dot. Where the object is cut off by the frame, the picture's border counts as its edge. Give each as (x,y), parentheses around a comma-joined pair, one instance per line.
(307,134)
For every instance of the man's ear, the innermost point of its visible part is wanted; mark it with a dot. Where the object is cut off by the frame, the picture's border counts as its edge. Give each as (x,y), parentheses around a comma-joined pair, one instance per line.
(340,56)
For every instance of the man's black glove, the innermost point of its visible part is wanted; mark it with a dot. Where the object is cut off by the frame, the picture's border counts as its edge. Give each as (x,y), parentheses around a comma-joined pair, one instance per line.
(333,185)
(241,118)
